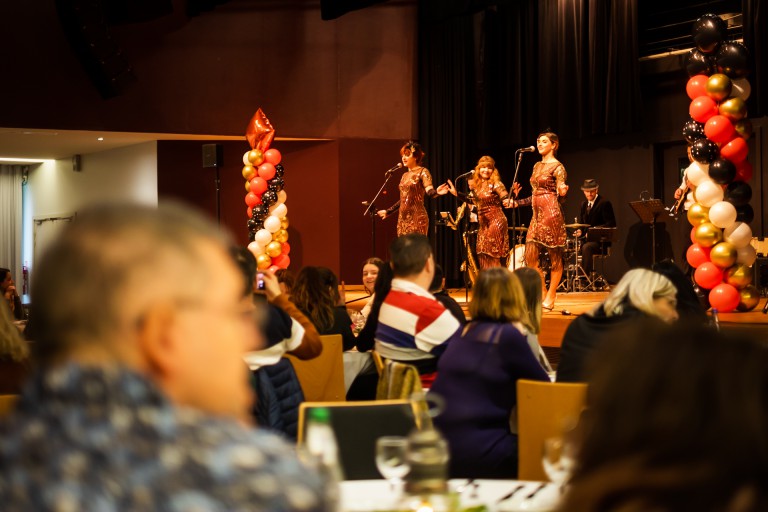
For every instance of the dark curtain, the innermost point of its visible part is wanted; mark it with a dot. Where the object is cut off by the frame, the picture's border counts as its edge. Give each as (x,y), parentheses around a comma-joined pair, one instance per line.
(492,77)
(754,14)
(332,9)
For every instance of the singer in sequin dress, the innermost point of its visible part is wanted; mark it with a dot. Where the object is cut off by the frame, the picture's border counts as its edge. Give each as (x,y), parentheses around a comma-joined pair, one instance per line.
(547,228)
(488,194)
(414,184)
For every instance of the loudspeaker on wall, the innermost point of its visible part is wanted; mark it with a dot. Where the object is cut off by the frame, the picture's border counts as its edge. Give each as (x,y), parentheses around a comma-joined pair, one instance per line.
(213,155)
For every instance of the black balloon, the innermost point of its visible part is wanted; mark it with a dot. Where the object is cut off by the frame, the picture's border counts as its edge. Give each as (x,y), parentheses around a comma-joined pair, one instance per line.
(703,151)
(733,60)
(738,193)
(259,212)
(703,296)
(708,32)
(251,237)
(269,197)
(251,224)
(745,213)
(279,170)
(696,63)
(693,131)
(722,171)
(276,184)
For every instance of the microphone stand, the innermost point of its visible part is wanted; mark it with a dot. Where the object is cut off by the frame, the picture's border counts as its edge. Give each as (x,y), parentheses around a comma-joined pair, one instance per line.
(515,212)
(463,227)
(371,210)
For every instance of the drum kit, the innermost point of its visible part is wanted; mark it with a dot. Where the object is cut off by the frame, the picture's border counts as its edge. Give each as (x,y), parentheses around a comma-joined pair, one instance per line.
(575,279)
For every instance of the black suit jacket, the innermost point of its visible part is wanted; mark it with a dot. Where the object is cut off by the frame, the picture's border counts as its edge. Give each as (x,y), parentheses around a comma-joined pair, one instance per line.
(601,214)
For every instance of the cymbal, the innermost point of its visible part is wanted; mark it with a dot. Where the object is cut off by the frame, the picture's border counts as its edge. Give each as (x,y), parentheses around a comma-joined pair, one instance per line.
(577,226)
(518,228)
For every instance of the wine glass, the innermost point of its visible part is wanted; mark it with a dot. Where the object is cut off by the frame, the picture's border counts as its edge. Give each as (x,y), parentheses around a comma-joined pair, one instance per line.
(558,460)
(392,459)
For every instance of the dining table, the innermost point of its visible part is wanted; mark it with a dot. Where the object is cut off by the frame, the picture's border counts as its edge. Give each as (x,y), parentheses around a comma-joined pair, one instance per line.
(355,363)
(472,495)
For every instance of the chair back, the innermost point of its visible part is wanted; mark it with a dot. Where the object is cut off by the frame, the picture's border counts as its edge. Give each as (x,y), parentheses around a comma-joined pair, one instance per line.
(398,381)
(357,425)
(378,361)
(7,403)
(544,409)
(322,378)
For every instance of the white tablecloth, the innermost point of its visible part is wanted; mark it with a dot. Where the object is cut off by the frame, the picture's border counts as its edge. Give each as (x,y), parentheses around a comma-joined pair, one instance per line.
(373,495)
(355,363)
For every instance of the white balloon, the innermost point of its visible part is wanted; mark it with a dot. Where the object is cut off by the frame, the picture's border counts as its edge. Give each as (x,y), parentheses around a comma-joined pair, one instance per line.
(697,173)
(722,214)
(256,248)
(263,236)
(741,88)
(282,196)
(279,210)
(272,224)
(746,255)
(245,158)
(739,234)
(708,193)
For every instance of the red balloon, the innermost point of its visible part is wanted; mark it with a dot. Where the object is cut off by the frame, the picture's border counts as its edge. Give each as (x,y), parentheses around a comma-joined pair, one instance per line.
(272,156)
(743,171)
(696,255)
(719,129)
(258,185)
(697,86)
(286,248)
(252,199)
(249,211)
(267,171)
(274,268)
(724,297)
(259,131)
(702,108)
(708,275)
(736,150)
(693,234)
(281,260)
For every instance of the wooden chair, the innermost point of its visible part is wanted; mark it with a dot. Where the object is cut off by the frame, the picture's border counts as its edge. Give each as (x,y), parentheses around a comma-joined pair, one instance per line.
(7,403)
(357,425)
(398,381)
(322,378)
(378,361)
(544,409)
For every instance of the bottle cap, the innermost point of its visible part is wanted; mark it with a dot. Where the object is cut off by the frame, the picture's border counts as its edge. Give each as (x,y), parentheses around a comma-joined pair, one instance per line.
(320,414)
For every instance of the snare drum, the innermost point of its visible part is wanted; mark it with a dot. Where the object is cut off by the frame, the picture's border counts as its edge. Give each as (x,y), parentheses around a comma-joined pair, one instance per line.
(517,257)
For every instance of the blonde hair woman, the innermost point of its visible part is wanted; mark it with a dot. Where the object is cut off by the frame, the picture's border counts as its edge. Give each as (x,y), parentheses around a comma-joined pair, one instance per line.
(477,376)
(641,295)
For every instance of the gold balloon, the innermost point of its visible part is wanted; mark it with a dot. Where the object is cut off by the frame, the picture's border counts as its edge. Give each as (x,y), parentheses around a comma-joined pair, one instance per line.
(744,128)
(281,235)
(249,172)
(284,223)
(256,157)
(738,276)
(247,186)
(723,254)
(734,109)
(698,214)
(719,87)
(274,248)
(749,297)
(707,234)
(263,261)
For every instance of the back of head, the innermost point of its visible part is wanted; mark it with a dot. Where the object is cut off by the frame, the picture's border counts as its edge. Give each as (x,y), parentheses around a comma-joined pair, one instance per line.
(437,279)
(676,421)
(687,301)
(246,262)
(497,296)
(100,275)
(311,294)
(530,280)
(639,288)
(409,254)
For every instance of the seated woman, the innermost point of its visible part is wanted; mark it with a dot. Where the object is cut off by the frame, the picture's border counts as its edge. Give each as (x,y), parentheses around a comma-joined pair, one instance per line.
(530,280)
(639,296)
(366,338)
(316,294)
(477,376)
(677,421)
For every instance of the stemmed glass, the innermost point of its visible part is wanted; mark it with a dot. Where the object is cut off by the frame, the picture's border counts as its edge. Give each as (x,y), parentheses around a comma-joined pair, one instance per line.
(392,459)
(558,460)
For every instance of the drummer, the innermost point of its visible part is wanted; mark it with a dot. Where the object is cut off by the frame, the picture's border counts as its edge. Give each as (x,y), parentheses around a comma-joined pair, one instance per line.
(596,211)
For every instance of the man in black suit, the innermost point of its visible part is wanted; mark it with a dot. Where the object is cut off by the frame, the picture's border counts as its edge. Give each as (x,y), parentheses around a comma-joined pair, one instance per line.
(597,212)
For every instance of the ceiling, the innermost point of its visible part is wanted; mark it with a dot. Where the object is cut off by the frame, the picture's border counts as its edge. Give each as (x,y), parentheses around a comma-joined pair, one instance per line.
(36,144)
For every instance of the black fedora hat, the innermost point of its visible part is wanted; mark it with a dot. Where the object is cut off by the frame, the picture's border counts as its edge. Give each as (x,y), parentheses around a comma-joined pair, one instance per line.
(590,185)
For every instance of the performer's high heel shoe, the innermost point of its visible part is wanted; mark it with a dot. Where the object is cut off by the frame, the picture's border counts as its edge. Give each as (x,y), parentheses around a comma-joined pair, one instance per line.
(549,305)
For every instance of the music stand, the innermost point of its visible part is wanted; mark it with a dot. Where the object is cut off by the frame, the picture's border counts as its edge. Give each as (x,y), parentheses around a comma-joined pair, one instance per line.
(648,210)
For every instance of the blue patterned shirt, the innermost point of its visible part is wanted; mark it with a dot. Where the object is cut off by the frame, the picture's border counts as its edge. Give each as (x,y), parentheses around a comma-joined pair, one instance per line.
(94,439)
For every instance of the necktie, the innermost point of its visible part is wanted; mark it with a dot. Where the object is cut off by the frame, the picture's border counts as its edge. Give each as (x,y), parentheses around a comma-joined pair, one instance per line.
(589,208)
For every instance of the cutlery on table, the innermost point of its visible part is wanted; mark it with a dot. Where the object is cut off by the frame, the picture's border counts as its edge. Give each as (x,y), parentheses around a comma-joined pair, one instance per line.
(511,493)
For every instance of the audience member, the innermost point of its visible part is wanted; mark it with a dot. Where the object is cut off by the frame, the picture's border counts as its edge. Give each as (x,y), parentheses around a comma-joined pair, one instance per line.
(530,280)
(477,377)
(285,278)
(676,421)
(366,339)
(316,293)
(688,306)
(15,362)
(142,393)
(437,289)
(9,293)
(640,295)
(413,325)
(371,269)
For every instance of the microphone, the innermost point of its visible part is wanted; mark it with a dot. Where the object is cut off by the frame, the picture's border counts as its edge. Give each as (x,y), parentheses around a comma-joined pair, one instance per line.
(393,169)
(529,149)
(468,173)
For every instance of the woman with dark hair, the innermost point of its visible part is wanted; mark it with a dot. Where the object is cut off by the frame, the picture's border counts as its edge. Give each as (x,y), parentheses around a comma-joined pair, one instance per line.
(316,294)
(676,420)
(477,376)
(415,182)
(547,228)
(371,269)
(366,338)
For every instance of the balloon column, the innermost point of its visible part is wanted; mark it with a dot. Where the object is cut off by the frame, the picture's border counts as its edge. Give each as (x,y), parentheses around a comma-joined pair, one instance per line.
(718,201)
(265,197)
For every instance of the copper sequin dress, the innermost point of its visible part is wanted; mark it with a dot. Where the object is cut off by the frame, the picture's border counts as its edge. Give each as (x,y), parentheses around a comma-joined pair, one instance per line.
(547,225)
(413,215)
(492,234)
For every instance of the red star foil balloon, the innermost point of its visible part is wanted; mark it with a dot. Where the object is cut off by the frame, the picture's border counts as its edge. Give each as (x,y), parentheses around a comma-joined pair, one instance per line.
(259,132)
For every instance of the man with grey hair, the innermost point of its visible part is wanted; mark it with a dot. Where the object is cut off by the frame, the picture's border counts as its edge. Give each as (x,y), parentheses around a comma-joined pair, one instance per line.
(142,397)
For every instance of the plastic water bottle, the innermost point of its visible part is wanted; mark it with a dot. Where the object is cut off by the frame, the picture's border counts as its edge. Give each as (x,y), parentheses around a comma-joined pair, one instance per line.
(321,446)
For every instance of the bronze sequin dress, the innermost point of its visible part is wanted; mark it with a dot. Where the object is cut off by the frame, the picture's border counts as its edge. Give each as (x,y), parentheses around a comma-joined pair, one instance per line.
(413,215)
(492,234)
(547,225)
